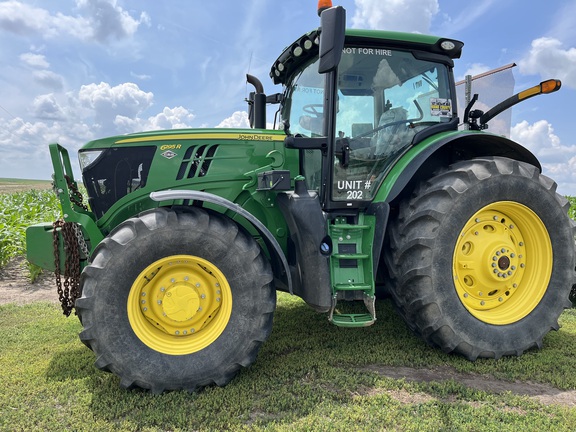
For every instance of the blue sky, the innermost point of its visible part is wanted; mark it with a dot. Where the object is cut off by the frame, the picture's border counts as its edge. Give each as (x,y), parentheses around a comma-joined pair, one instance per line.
(76,70)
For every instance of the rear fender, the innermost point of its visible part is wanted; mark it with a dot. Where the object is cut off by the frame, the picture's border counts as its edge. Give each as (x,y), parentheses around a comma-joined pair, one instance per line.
(420,161)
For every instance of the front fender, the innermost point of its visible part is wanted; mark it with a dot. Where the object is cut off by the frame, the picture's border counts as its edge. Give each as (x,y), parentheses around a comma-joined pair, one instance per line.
(282,269)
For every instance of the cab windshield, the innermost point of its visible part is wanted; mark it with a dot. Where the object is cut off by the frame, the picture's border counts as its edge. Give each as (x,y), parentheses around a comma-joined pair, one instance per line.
(384,98)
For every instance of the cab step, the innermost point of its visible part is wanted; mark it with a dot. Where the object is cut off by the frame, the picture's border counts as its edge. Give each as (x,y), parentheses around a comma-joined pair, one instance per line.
(354,319)
(351,270)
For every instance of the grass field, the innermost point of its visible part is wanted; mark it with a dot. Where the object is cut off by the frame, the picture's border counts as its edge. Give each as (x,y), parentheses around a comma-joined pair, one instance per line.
(309,376)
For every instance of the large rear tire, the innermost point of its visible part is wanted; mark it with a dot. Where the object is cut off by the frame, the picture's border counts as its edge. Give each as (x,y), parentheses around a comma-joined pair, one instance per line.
(482,258)
(176,300)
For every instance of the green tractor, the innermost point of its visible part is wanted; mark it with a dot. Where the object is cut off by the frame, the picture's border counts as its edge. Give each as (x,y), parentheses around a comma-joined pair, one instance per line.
(173,263)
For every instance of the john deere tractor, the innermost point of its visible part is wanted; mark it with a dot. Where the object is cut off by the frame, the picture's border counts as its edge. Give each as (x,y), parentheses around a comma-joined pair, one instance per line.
(173,261)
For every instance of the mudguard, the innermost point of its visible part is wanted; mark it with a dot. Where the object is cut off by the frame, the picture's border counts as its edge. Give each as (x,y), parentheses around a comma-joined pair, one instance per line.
(281,269)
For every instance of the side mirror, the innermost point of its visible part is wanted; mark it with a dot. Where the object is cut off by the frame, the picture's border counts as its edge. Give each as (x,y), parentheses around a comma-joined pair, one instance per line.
(333,31)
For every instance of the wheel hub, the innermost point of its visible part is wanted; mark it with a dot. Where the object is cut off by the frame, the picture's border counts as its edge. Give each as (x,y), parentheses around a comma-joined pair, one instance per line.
(492,273)
(180,303)
(504,263)
(182,300)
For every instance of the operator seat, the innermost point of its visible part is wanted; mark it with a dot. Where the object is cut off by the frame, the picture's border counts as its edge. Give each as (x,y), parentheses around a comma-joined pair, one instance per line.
(391,138)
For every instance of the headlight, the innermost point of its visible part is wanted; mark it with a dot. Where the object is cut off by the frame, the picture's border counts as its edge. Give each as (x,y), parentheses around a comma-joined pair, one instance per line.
(88,157)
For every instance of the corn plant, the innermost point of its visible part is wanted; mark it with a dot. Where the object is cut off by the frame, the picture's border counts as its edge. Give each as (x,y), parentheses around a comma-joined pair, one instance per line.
(19,210)
(572,211)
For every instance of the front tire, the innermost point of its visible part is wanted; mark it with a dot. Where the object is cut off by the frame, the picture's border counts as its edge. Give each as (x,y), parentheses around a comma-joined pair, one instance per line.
(176,300)
(482,258)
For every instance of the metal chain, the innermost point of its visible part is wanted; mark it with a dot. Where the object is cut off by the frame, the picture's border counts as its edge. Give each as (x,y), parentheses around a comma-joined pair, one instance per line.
(69,290)
(75,195)
(81,242)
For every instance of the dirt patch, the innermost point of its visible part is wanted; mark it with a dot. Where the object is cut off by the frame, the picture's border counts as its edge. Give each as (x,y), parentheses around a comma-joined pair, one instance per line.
(15,285)
(8,186)
(544,394)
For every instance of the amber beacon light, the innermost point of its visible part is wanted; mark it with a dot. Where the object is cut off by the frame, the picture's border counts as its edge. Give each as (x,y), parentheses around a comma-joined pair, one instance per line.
(323,5)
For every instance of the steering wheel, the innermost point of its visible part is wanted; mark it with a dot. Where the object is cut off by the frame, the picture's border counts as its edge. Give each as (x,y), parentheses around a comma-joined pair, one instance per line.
(312,109)
(394,123)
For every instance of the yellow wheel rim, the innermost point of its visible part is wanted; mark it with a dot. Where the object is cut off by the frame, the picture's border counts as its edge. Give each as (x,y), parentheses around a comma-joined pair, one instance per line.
(179,304)
(502,263)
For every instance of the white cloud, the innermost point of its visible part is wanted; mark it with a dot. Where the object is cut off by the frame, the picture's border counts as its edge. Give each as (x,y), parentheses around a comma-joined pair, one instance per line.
(49,79)
(237,120)
(106,102)
(23,19)
(35,60)
(72,119)
(398,15)
(41,74)
(476,69)
(46,107)
(100,20)
(142,77)
(95,110)
(110,21)
(169,118)
(20,136)
(558,160)
(549,59)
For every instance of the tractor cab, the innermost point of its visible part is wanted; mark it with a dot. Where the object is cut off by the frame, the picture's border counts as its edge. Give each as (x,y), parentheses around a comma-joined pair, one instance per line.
(391,91)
